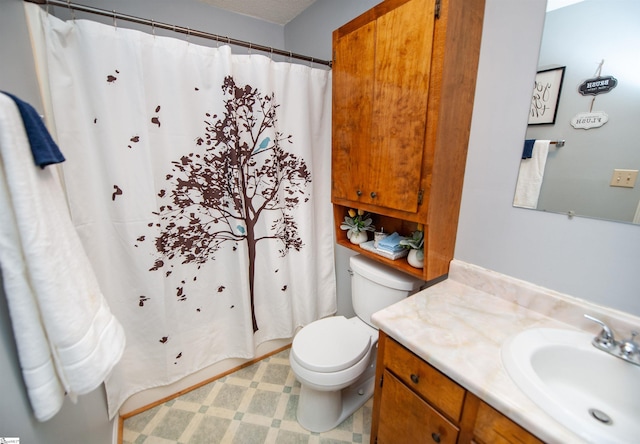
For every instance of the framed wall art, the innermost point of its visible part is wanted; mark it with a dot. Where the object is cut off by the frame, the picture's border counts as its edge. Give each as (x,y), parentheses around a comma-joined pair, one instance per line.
(546,95)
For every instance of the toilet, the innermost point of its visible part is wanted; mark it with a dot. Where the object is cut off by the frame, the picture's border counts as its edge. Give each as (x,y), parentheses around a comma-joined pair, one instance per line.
(335,358)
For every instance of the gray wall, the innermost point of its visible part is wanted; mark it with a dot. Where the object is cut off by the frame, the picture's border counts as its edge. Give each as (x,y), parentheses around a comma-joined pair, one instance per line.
(577,176)
(589,259)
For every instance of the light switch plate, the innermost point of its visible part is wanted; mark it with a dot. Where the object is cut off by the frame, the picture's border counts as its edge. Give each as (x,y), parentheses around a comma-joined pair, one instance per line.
(624,178)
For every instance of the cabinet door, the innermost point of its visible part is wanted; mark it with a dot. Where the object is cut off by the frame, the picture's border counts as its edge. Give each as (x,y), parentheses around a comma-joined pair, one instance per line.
(353,69)
(380,90)
(406,418)
(404,39)
(482,424)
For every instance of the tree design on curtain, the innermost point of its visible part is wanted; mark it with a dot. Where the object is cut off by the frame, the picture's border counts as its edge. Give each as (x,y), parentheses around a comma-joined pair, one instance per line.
(218,197)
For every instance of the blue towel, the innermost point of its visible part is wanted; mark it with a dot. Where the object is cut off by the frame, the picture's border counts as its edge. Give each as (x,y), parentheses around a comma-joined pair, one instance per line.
(43,148)
(391,243)
(527,152)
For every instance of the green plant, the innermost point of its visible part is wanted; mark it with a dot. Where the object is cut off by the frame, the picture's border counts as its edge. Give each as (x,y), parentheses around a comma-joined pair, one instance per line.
(356,222)
(415,242)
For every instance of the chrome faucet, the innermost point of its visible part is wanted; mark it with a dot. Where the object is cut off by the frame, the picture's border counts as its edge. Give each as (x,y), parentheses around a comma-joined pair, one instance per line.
(627,349)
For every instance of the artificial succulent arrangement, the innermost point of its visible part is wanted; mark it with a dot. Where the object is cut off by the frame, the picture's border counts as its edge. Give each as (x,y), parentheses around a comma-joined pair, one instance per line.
(357,221)
(416,241)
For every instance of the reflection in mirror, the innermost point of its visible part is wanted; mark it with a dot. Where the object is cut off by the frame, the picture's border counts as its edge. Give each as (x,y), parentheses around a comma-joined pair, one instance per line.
(597,122)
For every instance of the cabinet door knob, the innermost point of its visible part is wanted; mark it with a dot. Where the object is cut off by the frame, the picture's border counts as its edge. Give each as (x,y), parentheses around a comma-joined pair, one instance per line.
(415,378)
(435,437)
(359,192)
(373,194)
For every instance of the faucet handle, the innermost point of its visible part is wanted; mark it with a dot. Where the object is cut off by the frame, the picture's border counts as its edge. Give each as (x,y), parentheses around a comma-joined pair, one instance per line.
(606,338)
(629,347)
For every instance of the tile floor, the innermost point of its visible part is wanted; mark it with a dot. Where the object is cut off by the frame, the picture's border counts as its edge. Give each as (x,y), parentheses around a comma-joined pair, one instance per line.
(255,405)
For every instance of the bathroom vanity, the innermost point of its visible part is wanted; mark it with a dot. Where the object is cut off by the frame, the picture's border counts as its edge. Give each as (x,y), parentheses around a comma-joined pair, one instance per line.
(417,403)
(440,376)
(404,76)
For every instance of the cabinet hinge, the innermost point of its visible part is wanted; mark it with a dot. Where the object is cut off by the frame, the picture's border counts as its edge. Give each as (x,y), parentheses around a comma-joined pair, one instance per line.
(420,197)
(381,380)
(437,10)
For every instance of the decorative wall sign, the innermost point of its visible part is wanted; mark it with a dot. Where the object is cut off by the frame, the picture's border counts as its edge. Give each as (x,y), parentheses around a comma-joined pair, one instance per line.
(599,85)
(545,97)
(589,120)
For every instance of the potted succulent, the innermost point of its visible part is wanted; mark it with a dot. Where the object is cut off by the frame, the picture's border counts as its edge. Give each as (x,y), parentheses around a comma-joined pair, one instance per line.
(415,244)
(357,223)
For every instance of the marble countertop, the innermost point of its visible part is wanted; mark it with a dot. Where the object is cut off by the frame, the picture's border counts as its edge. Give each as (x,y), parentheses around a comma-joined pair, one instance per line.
(460,324)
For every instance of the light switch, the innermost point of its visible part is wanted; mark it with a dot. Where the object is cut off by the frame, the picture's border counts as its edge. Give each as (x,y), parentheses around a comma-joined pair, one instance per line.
(624,178)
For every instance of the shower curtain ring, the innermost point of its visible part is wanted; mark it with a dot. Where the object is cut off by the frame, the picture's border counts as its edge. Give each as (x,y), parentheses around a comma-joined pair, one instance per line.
(188,34)
(115,21)
(71,10)
(153,28)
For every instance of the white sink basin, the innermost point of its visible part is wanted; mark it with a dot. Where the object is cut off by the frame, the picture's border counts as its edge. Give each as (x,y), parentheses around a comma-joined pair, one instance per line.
(592,393)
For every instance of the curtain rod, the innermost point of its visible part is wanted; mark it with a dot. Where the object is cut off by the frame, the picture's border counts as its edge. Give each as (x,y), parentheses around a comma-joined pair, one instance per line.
(179,29)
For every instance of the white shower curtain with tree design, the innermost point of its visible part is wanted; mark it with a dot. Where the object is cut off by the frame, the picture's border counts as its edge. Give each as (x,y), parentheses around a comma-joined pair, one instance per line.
(198,181)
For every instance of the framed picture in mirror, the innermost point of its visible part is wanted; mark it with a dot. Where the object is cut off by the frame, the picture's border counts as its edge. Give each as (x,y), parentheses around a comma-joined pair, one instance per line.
(545,96)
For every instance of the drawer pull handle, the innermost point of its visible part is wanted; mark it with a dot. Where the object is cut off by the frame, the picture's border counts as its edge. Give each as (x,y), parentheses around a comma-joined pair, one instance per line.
(415,378)
(435,437)
(359,192)
(373,195)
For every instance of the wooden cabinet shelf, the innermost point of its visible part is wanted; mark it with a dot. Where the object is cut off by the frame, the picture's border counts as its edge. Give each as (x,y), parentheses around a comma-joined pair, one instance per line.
(404,76)
(400,264)
(389,225)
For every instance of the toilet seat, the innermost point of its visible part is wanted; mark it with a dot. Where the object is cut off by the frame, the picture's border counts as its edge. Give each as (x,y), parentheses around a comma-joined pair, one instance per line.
(331,345)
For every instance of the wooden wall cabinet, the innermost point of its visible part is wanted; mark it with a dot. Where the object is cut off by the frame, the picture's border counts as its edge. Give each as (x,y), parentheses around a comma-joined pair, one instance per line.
(404,77)
(414,402)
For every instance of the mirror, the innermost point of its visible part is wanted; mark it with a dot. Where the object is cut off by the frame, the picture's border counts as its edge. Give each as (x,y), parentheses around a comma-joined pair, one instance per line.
(590,39)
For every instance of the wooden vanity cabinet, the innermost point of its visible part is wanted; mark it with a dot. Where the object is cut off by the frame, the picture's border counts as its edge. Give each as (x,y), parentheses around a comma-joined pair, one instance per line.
(404,77)
(415,403)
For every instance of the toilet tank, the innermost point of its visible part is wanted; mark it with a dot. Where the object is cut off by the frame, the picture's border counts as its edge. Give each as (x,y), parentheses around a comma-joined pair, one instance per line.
(375,286)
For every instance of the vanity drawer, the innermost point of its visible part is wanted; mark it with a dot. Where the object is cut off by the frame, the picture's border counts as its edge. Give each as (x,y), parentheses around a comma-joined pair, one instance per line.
(426,381)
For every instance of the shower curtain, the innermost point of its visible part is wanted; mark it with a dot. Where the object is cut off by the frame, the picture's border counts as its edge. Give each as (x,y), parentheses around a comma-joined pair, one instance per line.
(198,181)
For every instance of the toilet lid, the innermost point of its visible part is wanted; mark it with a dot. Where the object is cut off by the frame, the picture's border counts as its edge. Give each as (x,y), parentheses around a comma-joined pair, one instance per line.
(330,344)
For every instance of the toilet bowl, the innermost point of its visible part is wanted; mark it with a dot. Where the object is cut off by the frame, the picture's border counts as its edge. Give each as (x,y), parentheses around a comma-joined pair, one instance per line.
(334,358)
(328,357)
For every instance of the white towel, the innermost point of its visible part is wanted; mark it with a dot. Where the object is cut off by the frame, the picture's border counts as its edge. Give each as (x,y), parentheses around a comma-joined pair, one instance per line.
(531,175)
(67,338)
